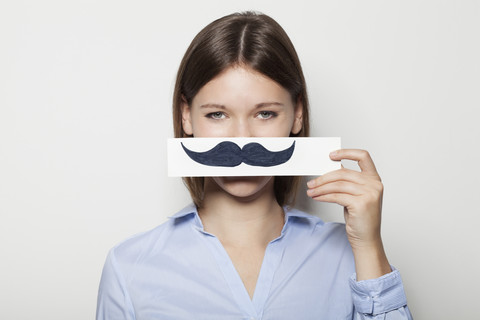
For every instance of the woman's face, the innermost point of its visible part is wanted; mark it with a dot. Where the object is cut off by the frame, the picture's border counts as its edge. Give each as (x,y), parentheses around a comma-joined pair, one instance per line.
(241,102)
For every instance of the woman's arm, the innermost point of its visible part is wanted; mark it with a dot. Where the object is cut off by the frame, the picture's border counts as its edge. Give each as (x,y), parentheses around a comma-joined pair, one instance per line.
(360,193)
(377,291)
(113,301)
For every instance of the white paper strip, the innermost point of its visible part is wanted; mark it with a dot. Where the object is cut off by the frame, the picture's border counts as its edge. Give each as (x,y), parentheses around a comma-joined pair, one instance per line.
(310,157)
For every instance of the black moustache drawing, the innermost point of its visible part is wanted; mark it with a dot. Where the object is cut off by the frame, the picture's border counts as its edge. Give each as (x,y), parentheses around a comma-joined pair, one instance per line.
(229,154)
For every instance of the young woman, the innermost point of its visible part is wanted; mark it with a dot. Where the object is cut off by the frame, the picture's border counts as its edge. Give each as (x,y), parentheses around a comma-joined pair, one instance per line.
(239,251)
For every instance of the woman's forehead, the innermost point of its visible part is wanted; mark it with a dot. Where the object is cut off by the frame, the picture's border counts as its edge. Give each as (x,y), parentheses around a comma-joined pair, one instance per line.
(241,84)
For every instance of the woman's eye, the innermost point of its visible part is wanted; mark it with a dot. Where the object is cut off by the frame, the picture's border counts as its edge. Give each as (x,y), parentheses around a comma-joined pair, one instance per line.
(216,115)
(266,114)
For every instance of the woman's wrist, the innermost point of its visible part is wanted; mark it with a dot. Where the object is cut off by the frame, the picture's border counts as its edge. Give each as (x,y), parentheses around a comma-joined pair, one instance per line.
(370,260)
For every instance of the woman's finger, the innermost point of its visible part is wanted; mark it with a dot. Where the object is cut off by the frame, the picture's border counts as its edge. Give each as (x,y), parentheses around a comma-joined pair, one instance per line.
(336,187)
(342,199)
(363,158)
(338,175)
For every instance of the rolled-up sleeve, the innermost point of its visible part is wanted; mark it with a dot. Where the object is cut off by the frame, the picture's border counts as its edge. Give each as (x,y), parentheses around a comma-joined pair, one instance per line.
(380,298)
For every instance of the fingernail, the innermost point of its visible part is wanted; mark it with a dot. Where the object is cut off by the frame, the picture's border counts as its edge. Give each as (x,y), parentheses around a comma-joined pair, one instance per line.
(311,183)
(333,154)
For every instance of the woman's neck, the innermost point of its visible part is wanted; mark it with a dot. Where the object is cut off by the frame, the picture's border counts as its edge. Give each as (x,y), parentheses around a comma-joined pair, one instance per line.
(242,222)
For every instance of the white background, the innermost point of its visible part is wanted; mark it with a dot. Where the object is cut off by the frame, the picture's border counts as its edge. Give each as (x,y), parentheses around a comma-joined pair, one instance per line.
(85,111)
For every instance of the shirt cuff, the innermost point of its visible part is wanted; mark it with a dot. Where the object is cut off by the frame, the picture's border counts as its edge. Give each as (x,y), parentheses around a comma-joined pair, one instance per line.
(380,295)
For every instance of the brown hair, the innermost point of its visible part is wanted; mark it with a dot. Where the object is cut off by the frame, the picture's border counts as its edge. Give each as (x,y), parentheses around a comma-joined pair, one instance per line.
(250,39)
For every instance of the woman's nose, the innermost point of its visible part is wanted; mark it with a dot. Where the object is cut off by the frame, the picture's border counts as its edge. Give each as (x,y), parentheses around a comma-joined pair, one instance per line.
(241,129)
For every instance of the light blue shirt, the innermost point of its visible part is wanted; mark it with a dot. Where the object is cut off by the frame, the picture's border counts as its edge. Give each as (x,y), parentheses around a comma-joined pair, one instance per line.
(180,271)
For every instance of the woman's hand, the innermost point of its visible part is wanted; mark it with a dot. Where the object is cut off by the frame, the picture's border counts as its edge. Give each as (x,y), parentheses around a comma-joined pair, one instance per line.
(360,193)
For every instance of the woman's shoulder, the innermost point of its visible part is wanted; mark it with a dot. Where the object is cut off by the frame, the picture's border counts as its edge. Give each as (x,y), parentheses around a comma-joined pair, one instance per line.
(313,221)
(309,236)
(314,226)
(150,241)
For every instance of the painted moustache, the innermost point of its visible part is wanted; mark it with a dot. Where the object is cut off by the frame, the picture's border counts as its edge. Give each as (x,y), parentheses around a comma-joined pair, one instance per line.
(229,154)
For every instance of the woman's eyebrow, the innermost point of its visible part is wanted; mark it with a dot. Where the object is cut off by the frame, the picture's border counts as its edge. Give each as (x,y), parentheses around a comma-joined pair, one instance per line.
(212,105)
(268,104)
(258,105)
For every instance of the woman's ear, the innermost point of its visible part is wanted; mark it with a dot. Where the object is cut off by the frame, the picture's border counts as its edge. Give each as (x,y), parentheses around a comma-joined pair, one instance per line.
(298,117)
(186,117)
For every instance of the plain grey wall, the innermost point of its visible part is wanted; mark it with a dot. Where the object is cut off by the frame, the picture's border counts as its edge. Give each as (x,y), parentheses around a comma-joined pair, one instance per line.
(85,96)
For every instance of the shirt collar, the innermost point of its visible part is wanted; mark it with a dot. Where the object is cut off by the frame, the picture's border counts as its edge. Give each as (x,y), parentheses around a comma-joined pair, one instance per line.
(292,212)
(290,215)
(190,209)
